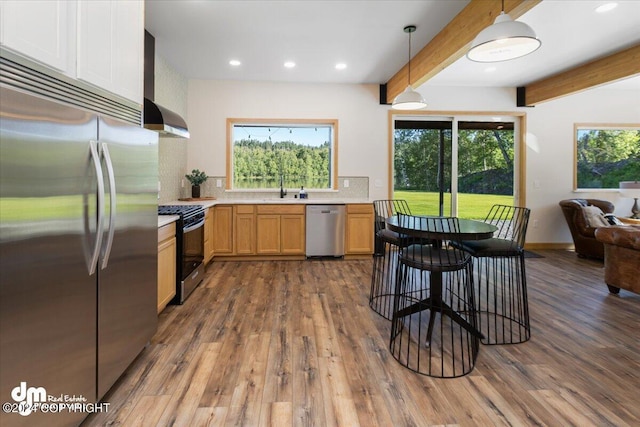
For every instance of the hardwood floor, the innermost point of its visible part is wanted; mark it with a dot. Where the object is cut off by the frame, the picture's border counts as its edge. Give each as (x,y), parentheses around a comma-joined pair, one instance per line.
(295,343)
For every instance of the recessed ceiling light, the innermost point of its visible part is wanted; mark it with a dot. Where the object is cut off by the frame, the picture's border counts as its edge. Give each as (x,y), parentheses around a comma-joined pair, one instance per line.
(234,62)
(490,69)
(341,66)
(289,64)
(606,7)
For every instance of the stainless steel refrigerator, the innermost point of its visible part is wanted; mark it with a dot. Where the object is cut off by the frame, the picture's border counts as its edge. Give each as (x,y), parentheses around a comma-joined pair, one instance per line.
(78,253)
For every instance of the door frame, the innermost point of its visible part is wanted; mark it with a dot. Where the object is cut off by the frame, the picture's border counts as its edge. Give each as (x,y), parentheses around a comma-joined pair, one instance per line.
(520,152)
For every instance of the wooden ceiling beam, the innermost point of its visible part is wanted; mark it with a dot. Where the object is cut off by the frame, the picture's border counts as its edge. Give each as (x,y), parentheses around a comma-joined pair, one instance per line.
(452,43)
(617,66)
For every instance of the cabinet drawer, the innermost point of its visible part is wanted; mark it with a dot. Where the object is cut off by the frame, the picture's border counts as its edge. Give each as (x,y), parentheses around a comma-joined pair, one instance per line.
(280,209)
(166,232)
(360,208)
(245,209)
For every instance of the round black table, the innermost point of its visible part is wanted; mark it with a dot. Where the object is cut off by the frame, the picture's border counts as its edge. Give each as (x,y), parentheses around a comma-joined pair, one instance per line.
(420,227)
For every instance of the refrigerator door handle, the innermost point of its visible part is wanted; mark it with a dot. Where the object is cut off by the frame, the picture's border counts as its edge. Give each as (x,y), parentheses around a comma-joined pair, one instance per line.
(112,204)
(93,263)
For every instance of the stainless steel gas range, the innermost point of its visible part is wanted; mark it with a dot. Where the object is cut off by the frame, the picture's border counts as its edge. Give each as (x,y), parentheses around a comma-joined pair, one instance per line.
(190,247)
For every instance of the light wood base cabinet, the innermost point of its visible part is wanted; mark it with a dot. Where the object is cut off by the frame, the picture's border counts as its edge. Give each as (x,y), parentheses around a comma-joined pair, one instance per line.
(280,230)
(208,235)
(223,230)
(293,234)
(268,234)
(359,239)
(245,229)
(277,231)
(166,265)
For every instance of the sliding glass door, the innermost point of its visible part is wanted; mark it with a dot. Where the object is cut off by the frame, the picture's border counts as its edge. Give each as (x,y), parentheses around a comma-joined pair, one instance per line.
(422,165)
(455,166)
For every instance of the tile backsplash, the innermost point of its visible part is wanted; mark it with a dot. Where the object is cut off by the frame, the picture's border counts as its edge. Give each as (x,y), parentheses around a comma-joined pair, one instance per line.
(171,169)
(358,188)
(171,90)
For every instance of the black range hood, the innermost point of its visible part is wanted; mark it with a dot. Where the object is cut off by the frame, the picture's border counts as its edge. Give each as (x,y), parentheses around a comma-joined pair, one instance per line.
(156,117)
(164,121)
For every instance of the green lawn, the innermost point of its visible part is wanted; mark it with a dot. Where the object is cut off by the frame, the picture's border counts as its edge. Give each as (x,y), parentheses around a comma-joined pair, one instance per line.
(472,206)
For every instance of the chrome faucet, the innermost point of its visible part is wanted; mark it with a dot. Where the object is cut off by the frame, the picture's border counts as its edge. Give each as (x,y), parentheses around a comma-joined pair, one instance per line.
(283,192)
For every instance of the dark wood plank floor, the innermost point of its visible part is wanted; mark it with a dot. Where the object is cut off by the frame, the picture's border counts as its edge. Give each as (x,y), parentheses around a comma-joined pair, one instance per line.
(295,343)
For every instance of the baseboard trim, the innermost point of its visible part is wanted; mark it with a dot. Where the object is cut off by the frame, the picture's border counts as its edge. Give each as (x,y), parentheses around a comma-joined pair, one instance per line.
(221,258)
(556,246)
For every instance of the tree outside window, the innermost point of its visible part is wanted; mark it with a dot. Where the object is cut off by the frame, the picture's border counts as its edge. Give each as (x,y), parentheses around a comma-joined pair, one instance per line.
(423,165)
(268,154)
(606,155)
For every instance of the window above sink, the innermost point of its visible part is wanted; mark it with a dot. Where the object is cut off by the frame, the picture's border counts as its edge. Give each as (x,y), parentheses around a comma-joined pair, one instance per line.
(269,154)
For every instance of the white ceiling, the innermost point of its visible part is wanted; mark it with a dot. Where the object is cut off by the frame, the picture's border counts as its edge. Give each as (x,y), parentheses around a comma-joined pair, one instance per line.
(199,37)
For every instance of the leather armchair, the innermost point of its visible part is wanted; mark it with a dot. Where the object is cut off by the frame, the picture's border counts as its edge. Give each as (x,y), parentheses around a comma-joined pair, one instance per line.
(622,257)
(586,245)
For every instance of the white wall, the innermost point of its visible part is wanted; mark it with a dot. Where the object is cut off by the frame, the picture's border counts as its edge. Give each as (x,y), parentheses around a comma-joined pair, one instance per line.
(361,120)
(363,132)
(550,155)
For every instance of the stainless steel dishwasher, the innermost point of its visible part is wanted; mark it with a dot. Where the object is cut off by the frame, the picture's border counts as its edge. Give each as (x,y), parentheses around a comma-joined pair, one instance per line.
(325,230)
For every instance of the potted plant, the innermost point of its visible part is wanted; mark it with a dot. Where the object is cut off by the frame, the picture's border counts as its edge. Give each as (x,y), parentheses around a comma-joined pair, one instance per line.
(196,177)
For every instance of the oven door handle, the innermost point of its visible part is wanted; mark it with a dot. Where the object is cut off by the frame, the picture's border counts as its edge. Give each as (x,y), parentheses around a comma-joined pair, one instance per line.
(194,226)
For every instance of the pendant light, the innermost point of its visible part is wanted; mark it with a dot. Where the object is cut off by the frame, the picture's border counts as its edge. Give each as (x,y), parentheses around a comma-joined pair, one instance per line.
(504,40)
(409,99)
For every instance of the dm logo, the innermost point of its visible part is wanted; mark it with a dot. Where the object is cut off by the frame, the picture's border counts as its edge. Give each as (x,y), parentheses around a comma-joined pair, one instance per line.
(28,397)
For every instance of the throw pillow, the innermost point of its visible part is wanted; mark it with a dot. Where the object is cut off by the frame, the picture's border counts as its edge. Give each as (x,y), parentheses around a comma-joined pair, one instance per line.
(594,217)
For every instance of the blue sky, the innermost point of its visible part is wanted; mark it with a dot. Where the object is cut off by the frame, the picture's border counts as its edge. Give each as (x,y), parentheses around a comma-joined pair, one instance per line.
(313,136)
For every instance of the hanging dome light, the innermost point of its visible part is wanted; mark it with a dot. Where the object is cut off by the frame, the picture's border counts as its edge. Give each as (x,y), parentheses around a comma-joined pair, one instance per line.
(409,99)
(504,40)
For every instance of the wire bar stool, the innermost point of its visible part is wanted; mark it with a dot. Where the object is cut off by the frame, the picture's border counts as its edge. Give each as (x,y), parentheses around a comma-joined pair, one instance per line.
(433,326)
(501,279)
(387,244)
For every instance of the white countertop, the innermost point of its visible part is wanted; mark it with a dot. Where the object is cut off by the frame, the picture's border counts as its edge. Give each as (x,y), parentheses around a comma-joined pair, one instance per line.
(285,201)
(166,220)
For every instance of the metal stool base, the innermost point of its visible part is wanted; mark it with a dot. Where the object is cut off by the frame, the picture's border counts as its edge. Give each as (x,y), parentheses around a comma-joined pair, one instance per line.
(383,281)
(431,341)
(501,299)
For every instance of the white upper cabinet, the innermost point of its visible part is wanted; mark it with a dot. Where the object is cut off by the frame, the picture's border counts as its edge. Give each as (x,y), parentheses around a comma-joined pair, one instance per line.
(111,46)
(98,42)
(41,30)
